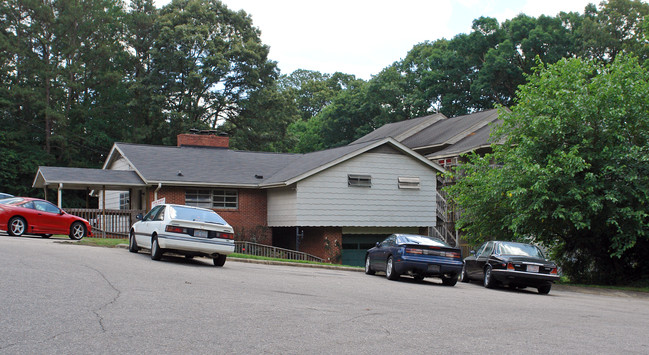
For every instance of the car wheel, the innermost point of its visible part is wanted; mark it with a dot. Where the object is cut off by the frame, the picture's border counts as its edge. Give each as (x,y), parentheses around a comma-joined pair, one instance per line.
(465,276)
(368,268)
(156,251)
(17,226)
(449,280)
(132,243)
(220,260)
(389,270)
(45,236)
(544,290)
(77,231)
(488,278)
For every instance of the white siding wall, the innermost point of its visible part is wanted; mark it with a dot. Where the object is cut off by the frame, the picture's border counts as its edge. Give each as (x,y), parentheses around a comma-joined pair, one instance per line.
(112,197)
(325,199)
(282,207)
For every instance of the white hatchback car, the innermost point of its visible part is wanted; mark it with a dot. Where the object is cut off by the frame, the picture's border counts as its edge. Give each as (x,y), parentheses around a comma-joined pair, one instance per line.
(186,230)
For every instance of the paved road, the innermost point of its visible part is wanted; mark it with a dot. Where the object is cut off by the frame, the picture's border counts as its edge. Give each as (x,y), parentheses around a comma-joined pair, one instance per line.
(68,299)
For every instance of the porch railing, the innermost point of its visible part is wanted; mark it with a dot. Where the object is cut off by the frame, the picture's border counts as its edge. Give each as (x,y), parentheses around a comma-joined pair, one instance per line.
(107,223)
(268,251)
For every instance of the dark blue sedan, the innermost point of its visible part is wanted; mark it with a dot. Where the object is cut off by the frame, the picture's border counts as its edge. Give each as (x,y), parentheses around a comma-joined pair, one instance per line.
(416,255)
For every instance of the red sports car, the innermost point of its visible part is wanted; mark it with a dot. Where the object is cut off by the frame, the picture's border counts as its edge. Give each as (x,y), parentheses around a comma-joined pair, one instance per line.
(26,215)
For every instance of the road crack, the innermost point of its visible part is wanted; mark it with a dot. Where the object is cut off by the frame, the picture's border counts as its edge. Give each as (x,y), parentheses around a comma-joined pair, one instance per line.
(97,311)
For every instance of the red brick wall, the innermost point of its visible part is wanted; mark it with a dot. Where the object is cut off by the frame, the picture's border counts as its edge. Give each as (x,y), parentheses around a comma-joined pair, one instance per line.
(203,140)
(323,242)
(249,221)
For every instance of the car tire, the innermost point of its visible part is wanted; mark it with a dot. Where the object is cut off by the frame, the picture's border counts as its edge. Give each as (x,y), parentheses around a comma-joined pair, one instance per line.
(17,226)
(77,231)
(45,236)
(220,260)
(132,243)
(156,251)
(368,268)
(544,290)
(488,278)
(465,276)
(390,272)
(449,280)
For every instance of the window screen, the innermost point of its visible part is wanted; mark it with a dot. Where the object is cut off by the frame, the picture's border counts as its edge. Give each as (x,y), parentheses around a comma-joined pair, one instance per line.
(221,198)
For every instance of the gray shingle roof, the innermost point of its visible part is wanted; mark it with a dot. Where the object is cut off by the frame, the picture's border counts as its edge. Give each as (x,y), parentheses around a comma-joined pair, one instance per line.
(203,164)
(219,166)
(401,130)
(450,130)
(312,161)
(81,178)
(475,140)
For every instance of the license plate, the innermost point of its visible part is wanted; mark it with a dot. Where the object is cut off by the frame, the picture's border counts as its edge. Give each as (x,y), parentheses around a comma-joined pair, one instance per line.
(532,268)
(203,234)
(433,268)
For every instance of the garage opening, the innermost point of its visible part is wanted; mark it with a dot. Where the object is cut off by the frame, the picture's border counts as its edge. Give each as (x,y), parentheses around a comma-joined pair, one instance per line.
(355,246)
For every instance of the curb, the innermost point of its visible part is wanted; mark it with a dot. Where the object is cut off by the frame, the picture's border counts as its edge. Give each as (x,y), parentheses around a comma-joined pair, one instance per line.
(284,263)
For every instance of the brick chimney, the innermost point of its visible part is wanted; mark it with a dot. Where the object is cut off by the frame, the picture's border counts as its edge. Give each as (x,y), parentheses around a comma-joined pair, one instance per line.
(203,139)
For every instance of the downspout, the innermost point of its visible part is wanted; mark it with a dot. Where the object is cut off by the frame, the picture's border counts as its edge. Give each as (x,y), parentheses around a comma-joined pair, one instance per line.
(155,193)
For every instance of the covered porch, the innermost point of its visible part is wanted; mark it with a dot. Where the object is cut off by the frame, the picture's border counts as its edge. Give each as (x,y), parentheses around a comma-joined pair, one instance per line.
(107,223)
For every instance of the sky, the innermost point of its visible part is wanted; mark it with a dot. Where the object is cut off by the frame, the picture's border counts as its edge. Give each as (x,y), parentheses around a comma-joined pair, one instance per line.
(362,37)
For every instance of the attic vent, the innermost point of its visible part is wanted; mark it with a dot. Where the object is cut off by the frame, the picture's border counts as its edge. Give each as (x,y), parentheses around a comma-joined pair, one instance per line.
(359,180)
(409,182)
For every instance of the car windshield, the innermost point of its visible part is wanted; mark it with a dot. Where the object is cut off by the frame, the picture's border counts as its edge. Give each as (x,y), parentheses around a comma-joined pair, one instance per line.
(195,214)
(520,249)
(422,240)
(12,201)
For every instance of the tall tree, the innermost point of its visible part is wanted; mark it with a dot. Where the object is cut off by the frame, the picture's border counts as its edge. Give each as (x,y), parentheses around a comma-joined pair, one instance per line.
(206,59)
(573,173)
(145,115)
(617,27)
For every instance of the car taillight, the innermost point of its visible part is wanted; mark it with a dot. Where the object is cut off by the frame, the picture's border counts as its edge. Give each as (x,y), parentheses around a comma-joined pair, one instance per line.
(414,251)
(173,229)
(510,266)
(554,271)
(224,235)
(451,254)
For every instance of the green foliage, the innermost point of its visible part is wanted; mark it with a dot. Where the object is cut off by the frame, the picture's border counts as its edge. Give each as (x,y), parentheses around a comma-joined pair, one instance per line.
(573,172)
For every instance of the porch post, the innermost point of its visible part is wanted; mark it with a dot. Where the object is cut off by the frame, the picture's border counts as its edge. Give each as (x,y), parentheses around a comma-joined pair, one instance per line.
(60,194)
(103,212)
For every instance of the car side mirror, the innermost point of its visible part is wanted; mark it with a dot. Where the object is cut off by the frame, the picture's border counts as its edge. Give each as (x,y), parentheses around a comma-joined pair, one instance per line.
(139,217)
(472,252)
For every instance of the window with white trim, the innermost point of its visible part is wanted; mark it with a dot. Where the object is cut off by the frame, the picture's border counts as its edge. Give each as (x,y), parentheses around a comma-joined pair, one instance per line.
(123,200)
(359,180)
(409,182)
(217,198)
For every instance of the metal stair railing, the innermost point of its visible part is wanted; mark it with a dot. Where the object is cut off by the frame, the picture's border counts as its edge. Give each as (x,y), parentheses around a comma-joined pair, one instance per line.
(250,248)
